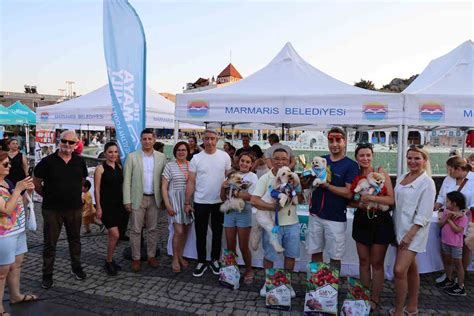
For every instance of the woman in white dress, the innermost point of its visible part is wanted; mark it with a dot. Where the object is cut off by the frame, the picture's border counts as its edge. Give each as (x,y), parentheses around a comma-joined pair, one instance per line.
(415,194)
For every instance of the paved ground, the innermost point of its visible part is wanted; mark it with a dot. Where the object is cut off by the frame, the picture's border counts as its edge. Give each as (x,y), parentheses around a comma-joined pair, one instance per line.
(160,292)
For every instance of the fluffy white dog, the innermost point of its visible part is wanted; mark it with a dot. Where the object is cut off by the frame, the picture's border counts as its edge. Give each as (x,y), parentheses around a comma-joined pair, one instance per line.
(283,189)
(372,185)
(233,202)
(319,171)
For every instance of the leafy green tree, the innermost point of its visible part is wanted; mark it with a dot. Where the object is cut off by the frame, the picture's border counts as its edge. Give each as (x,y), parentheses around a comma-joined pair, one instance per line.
(365,84)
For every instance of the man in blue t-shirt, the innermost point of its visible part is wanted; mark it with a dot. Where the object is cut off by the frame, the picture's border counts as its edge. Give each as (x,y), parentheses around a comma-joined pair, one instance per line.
(327,223)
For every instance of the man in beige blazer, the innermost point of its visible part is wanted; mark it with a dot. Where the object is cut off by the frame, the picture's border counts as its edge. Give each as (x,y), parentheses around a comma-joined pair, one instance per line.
(142,196)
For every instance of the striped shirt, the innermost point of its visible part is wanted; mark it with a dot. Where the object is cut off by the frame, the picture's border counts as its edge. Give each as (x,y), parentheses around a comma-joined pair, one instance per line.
(15,222)
(176,175)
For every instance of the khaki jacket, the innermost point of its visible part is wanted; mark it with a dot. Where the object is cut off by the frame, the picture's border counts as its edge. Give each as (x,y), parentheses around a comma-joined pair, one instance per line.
(133,178)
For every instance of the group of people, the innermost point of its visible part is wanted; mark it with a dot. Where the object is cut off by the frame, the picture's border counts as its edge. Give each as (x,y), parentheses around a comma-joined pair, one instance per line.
(192,188)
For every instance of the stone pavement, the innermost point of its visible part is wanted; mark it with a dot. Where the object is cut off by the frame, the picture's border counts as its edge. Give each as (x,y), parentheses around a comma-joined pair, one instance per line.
(160,292)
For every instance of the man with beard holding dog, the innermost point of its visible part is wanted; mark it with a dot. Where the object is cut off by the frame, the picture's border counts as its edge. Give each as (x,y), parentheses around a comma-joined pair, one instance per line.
(327,223)
(289,234)
(207,171)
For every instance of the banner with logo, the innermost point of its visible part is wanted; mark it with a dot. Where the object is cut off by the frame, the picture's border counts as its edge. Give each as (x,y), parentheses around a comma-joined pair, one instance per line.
(45,141)
(125,55)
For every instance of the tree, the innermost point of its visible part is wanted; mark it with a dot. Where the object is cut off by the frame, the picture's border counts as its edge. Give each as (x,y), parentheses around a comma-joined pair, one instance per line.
(365,84)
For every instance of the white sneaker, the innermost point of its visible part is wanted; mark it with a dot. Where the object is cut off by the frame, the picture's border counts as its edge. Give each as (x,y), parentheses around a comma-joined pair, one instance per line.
(263,290)
(292,292)
(441,278)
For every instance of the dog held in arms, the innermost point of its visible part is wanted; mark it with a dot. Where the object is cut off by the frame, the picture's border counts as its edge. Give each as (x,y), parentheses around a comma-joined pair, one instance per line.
(236,183)
(373,184)
(283,190)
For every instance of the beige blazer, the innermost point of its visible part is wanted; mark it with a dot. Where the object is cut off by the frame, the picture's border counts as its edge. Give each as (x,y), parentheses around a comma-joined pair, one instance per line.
(133,178)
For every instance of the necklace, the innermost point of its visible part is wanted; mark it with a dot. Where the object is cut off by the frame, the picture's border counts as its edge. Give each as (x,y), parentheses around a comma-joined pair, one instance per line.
(185,172)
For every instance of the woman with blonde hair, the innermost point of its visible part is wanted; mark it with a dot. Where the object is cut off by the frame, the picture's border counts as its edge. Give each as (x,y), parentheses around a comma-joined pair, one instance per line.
(415,193)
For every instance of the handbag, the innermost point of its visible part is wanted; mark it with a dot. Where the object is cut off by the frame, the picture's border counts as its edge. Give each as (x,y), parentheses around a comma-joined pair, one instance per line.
(30,214)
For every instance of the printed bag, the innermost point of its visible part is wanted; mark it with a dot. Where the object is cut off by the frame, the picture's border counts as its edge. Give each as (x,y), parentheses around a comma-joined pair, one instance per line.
(229,273)
(321,289)
(278,285)
(357,300)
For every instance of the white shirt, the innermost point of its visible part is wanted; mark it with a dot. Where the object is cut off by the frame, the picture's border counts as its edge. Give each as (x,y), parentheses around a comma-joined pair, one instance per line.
(210,172)
(414,205)
(449,185)
(148,166)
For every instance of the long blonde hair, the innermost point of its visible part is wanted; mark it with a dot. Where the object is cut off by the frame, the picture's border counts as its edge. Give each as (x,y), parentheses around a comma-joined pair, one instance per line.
(426,156)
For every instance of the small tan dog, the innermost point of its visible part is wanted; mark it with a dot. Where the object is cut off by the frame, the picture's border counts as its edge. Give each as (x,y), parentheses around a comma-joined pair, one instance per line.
(233,202)
(373,184)
(319,171)
(283,190)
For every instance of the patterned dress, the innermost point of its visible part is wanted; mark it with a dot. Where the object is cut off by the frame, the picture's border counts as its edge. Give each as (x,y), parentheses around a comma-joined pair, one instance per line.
(176,175)
(15,222)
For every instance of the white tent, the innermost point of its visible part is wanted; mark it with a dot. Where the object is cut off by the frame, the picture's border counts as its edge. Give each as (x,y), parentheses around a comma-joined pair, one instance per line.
(291,91)
(95,108)
(443,93)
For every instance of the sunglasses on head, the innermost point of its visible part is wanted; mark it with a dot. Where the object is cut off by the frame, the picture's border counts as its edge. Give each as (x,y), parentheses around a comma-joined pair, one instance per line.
(70,142)
(365,145)
(335,137)
(6,164)
(416,146)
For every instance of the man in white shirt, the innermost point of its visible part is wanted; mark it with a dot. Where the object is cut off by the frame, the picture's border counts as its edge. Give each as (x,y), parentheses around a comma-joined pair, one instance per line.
(207,172)
(142,196)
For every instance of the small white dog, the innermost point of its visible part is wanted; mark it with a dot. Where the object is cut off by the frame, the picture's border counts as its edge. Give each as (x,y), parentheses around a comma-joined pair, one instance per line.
(371,185)
(233,202)
(283,189)
(319,171)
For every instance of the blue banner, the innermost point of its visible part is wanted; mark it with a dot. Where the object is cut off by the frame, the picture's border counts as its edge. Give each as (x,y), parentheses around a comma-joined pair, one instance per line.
(125,56)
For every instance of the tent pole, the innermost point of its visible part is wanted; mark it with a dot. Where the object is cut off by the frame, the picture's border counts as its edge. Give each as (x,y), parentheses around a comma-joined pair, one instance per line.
(404,148)
(176,128)
(233,134)
(283,131)
(464,134)
(27,140)
(400,151)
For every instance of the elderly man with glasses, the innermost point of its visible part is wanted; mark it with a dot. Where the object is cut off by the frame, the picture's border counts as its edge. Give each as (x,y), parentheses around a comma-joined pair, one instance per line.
(58,178)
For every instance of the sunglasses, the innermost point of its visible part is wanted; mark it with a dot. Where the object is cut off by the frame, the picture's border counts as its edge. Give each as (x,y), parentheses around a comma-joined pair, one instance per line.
(6,165)
(416,146)
(335,137)
(70,142)
(364,145)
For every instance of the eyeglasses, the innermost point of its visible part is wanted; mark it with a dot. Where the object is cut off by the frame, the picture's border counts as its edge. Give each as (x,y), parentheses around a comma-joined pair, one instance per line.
(6,164)
(364,145)
(334,137)
(416,146)
(181,149)
(70,142)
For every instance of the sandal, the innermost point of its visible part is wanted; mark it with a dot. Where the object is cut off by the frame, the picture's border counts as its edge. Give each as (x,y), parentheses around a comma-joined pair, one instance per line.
(248,279)
(27,298)
(176,267)
(183,263)
(406,312)
(374,306)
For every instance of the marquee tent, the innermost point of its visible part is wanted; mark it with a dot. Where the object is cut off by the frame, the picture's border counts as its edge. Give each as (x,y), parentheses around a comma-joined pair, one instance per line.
(290,91)
(95,108)
(443,94)
(7,117)
(23,111)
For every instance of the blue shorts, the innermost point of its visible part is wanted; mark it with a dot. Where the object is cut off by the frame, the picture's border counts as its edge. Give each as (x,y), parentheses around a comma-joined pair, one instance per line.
(12,246)
(289,237)
(455,252)
(242,219)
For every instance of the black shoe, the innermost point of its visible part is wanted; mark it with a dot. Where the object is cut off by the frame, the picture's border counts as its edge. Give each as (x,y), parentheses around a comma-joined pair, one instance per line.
(124,238)
(200,269)
(445,284)
(79,274)
(47,282)
(116,266)
(110,268)
(215,267)
(456,290)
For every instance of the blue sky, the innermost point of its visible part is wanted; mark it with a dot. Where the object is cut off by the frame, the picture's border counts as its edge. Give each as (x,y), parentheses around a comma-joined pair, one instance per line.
(45,43)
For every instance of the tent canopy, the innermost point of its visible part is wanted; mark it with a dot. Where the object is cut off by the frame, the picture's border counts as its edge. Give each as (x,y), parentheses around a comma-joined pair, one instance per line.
(7,117)
(95,108)
(443,94)
(291,91)
(23,111)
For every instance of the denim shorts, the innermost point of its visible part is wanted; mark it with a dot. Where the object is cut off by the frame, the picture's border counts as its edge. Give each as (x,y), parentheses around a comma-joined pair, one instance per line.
(289,237)
(455,252)
(12,246)
(242,219)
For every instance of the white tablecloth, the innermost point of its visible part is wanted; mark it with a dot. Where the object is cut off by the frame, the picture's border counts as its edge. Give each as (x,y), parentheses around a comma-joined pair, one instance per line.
(428,261)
